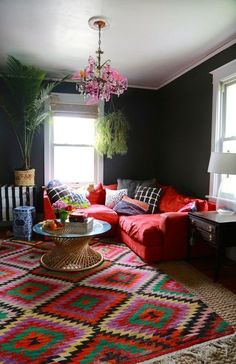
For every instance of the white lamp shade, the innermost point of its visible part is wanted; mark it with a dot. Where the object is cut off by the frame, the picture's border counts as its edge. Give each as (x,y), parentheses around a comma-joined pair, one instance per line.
(222,163)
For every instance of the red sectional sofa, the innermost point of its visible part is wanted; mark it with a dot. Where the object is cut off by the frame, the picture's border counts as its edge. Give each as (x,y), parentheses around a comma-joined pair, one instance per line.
(153,237)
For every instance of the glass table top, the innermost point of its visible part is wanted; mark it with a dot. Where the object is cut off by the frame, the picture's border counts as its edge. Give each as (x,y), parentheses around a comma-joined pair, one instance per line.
(99,227)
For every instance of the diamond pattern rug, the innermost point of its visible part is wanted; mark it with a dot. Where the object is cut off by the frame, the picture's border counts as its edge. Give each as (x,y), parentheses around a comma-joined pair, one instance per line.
(123,311)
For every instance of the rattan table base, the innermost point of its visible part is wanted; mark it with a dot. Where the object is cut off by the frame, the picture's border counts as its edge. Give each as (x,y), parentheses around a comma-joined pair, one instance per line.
(71,254)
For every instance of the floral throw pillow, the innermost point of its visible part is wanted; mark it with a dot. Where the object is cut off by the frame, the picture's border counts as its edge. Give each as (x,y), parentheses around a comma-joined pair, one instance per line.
(63,192)
(80,199)
(114,196)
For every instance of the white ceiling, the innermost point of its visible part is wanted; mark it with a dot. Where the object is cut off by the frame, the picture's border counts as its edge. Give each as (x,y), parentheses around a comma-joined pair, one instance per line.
(149,41)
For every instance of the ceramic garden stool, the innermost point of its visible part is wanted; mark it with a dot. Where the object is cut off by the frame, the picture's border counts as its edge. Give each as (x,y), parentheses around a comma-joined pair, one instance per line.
(23,221)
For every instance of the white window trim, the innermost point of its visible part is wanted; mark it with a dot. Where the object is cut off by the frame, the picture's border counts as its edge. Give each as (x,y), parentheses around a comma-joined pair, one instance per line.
(99,158)
(48,137)
(220,75)
(48,152)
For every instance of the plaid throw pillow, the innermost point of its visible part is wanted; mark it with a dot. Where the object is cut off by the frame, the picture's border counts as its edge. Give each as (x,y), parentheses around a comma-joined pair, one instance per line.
(150,195)
(58,192)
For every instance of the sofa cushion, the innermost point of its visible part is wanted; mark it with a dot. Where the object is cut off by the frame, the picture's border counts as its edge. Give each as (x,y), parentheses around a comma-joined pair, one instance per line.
(114,196)
(143,228)
(111,187)
(173,201)
(150,195)
(131,184)
(97,195)
(202,205)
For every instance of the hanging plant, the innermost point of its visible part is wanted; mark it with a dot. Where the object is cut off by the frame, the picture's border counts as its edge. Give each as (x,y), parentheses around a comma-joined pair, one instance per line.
(111,134)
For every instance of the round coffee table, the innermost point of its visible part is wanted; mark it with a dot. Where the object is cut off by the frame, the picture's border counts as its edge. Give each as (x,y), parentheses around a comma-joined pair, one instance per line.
(72,251)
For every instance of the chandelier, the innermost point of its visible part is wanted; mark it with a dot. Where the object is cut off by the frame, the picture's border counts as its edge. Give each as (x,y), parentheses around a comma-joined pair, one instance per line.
(98,80)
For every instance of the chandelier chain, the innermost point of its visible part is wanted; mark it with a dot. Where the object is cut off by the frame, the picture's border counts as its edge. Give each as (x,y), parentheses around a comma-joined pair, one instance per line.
(99,51)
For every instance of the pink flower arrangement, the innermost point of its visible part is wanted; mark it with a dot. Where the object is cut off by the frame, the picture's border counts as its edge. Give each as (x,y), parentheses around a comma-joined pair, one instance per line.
(62,209)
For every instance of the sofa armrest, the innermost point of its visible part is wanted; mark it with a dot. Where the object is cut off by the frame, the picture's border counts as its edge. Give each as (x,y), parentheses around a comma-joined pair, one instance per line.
(174,226)
(48,213)
(211,206)
(170,219)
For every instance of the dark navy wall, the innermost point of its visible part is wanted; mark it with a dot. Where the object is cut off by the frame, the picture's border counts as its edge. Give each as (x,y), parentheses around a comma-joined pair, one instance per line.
(139,107)
(171,130)
(184,127)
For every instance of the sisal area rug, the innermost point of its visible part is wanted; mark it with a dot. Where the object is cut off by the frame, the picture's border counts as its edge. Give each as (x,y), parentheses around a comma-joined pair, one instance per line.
(123,311)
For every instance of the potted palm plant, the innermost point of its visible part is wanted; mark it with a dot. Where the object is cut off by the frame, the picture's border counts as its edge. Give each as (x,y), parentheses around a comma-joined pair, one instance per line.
(26,103)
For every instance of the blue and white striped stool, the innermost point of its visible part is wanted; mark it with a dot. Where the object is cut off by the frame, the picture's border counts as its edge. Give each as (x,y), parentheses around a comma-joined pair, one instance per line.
(23,220)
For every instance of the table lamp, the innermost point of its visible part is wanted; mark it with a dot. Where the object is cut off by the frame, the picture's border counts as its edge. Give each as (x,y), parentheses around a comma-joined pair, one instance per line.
(224,163)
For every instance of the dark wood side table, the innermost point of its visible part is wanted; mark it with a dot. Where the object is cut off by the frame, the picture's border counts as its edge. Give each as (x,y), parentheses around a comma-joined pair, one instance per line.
(214,229)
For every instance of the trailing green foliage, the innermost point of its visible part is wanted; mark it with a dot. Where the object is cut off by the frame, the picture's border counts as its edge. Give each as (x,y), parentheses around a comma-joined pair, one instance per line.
(111,134)
(26,102)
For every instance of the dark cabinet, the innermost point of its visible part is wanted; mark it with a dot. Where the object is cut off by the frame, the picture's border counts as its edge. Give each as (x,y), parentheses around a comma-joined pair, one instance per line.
(214,229)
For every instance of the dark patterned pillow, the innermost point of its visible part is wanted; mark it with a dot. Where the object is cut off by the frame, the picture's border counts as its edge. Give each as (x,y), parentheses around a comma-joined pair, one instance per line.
(58,192)
(150,195)
(131,184)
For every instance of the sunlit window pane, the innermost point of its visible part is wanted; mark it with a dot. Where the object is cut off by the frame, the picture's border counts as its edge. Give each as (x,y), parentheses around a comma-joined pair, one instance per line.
(73,130)
(230,127)
(74,164)
(229,146)
(228,183)
(224,127)
(228,189)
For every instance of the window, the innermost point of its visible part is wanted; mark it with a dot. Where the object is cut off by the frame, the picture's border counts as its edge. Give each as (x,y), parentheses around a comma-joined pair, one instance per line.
(224,123)
(69,142)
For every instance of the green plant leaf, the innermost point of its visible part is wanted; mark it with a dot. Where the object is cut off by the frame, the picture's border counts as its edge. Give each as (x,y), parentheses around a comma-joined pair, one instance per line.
(26,102)
(111,134)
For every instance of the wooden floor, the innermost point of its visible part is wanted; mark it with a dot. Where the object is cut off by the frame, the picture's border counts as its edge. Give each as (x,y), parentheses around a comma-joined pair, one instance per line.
(227,273)
(205,265)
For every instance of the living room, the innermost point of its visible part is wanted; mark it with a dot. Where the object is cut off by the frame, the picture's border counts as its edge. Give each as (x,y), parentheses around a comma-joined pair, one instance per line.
(170,135)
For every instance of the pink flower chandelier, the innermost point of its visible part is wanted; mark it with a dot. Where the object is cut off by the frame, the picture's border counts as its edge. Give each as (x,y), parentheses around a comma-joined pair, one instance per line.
(99,81)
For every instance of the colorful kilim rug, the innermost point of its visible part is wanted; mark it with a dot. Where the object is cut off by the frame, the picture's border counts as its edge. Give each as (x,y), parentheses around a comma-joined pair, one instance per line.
(123,311)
